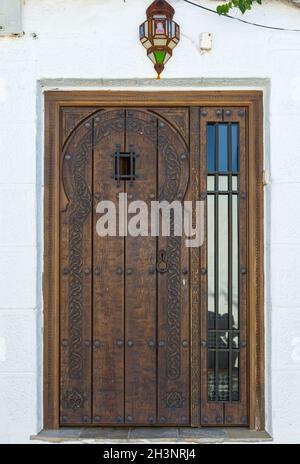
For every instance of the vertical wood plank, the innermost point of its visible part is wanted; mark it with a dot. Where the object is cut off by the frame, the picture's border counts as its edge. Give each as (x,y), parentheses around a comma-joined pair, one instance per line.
(256,267)
(195,273)
(236,413)
(108,271)
(140,290)
(212,413)
(51,266)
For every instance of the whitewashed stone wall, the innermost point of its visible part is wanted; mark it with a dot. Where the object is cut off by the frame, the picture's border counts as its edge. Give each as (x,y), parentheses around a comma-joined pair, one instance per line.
(84,43)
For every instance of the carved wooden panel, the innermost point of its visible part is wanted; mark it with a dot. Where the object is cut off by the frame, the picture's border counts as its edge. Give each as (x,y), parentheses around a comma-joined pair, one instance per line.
(71,118)
(173,287)
(178,118)
(76,279)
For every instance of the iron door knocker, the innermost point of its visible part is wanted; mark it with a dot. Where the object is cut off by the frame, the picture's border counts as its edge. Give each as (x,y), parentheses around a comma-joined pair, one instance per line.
(162,265)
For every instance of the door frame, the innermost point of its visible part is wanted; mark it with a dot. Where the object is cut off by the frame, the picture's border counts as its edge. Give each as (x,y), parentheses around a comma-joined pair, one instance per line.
(253,100)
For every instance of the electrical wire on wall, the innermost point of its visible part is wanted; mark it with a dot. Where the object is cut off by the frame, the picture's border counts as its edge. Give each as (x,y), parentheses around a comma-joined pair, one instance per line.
(264,26)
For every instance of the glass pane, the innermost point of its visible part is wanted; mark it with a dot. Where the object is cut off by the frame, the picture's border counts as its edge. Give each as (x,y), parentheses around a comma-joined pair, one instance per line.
(142,31)
(223,183)
(147,44)
(159,42)
(211,260)
(223,147)
(211,183)
(173,29)
(212,340)
(172,44)
(211,381)
(223,376)
(235,263)
(159,27)
(152,57)
(235,340)
(234,143)
(159,56)
(211,147)
(167,57)
(223,262)
(235,183)
(235,376)
(223,340)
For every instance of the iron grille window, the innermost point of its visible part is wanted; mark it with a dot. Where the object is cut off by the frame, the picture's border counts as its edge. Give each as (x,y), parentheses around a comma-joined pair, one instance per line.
(223,262)
(125,166)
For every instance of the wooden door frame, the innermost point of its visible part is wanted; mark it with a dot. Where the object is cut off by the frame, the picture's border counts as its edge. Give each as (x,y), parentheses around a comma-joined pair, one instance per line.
(253,100)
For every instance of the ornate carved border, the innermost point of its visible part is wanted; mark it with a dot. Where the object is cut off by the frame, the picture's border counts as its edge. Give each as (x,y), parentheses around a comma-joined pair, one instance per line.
(54,101)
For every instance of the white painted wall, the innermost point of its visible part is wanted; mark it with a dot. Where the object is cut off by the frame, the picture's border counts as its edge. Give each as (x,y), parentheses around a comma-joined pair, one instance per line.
(80,43)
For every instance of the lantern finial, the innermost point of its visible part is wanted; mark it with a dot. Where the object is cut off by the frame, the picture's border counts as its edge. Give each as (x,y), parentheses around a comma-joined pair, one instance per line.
(159,69)
(160,34)
(160,7)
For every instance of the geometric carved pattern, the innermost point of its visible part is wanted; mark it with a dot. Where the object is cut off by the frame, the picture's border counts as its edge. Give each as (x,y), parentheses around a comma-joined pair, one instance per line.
(195,285)
(81,208)
(174,399)
(174,308)
(74,400)
(139,126)
(169,189)
(169,192)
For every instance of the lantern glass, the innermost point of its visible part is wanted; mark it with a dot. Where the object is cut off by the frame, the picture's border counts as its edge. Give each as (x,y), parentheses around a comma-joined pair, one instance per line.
(152,57)
(160,42)
(167,57)
(142,31)
(147,44)
(172,44)
(160,27)
(160,56)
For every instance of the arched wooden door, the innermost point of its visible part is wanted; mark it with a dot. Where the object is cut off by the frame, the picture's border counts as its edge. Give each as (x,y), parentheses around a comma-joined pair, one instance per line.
(124,301)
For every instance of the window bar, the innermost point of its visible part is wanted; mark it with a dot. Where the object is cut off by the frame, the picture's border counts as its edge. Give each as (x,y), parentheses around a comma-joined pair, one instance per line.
(131,167)
(223,192)
(238,241)
(217,258)
(118,167)
(230,258)
(234,173)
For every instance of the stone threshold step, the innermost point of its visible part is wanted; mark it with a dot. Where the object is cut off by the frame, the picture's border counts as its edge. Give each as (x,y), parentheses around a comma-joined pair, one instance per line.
(153,434)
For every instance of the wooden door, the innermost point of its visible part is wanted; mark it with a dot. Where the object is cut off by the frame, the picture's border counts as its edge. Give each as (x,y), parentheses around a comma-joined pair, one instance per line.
(153,332)
(125,318)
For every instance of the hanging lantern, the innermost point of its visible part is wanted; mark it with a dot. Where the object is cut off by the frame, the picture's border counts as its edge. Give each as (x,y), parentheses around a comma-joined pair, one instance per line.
(160,34)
